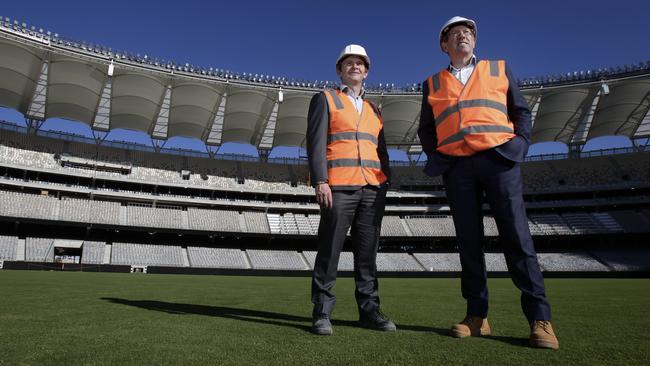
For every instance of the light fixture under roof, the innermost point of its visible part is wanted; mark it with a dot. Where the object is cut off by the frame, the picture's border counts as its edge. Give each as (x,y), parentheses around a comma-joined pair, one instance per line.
(604,88)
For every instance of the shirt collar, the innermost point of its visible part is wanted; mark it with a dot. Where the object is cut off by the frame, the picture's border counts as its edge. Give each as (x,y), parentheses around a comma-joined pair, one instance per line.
(347,90)
(472,62)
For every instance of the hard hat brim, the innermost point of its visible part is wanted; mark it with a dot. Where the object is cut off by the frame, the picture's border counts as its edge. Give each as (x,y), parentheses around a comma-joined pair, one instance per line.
(454,22)
(364,57)
(468,23)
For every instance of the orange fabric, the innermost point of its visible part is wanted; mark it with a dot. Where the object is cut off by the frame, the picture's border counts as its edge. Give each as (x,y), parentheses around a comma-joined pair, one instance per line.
(351,153)
(472,117)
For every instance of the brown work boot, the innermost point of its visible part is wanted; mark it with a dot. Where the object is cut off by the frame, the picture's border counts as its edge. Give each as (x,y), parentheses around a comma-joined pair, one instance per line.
(542,336)
(471,326)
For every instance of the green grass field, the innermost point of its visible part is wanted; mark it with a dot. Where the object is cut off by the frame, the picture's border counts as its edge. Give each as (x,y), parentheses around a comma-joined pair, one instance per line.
(64,318)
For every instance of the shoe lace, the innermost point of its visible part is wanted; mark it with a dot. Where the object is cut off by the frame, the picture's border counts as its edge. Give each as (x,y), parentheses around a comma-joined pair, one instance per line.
(469,320)
(544,324)
(380,315)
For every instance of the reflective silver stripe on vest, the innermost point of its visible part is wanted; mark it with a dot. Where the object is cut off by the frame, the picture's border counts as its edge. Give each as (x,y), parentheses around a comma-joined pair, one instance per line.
(436,82)
(352,136)
(486,103)
(494,68)
(458,136)
(337,101)
(337,163)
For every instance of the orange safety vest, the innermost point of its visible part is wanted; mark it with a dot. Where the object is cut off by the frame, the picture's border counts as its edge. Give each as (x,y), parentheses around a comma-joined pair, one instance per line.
(472,117)
(352,139)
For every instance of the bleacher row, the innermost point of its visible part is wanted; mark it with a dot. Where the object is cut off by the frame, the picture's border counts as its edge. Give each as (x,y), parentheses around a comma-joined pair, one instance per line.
(18,204)
(41,152)
(42,250)
(45,154)
(45,207)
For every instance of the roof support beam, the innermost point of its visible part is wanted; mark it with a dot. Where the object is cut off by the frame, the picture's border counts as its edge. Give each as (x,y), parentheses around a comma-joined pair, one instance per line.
(535,109)
(216,130)
(33,125)
(581,117)
(414,154)
(102,120)
(641,143)
(264,154)
(212,150)
(414,159)
(643,131)
(636,117)
(582,130)
(266,139)
(99,136)
(158,144)
(411,136)
(575,149)
(160,128)
(36,109)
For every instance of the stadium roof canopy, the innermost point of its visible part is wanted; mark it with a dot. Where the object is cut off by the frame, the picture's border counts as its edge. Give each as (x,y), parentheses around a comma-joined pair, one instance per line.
(48,77)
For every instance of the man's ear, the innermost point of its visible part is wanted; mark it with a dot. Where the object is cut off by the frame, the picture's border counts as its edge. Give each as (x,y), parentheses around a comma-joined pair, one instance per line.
(444,47)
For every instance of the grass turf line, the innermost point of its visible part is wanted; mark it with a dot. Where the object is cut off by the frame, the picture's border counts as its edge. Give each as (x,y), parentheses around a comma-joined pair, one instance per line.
(54,318)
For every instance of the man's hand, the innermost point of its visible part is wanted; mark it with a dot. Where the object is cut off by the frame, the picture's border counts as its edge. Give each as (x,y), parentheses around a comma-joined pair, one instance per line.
(324,195)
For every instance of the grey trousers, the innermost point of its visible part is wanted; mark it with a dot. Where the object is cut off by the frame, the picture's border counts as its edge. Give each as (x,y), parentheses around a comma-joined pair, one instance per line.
(362,210)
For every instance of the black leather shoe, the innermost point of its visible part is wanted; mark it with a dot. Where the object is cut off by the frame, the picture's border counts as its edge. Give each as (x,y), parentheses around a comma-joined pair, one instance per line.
(321,326)
(376,320)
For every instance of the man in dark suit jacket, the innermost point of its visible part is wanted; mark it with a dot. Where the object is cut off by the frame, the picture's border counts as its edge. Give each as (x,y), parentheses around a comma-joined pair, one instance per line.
(475,129)
(348,166)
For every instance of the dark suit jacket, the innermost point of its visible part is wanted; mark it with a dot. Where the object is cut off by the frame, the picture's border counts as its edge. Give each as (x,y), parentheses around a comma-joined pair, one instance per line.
(318,120)
(515,149)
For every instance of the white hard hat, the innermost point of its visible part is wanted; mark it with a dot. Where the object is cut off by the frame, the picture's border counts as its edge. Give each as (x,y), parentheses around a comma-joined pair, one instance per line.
(454,21)
(354,49)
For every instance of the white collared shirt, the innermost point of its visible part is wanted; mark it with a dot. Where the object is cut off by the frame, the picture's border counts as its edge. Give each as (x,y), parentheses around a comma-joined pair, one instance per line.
(357,101)
(464,72)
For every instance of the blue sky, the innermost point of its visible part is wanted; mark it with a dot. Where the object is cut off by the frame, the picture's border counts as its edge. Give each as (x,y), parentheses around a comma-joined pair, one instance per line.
(302,39)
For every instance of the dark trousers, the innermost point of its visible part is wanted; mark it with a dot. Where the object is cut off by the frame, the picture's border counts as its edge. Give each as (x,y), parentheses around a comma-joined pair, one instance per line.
(500,180)
(363,210)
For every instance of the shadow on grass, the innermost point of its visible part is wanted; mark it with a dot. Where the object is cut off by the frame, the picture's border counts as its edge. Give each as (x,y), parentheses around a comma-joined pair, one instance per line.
(272,318)
(255,316)
(521,342)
